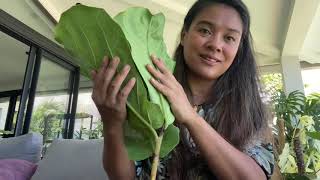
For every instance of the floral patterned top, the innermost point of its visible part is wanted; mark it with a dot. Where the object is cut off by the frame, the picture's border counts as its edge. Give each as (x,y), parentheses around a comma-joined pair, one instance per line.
(262,153)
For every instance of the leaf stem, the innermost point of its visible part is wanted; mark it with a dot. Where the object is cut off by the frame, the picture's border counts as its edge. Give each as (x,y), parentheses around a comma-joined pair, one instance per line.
(156,156)
(142,119)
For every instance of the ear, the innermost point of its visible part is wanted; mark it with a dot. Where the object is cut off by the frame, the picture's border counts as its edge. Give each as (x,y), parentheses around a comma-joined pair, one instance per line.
(182,37)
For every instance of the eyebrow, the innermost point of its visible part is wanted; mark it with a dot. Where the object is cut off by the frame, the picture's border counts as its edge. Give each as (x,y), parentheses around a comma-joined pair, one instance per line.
(211,24)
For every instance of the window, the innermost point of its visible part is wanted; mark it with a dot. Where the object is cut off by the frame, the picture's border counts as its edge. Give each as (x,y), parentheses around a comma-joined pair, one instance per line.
(50,109)
(34,69)
(14,58)
(88,122)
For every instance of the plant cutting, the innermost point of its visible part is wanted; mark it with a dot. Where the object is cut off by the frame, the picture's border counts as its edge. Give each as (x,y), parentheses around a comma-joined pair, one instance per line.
(89,34)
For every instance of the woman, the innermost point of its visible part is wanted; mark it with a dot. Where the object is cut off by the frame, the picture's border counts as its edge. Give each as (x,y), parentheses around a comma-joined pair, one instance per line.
(213,94)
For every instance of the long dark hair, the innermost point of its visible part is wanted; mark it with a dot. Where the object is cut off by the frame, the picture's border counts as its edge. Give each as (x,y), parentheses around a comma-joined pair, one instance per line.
(238,111)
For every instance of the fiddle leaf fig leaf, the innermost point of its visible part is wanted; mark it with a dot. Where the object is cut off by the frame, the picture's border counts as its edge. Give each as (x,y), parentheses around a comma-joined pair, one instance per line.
(170,140)
(144,32)
(89,34)
(149,110)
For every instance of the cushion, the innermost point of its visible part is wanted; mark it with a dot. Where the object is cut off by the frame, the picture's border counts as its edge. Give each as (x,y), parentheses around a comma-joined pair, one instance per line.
(73,160)
(27,147)
(16,169)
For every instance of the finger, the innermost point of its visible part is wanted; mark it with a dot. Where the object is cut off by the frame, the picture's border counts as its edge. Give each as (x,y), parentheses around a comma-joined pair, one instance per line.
(93,74)
(168,76)
(103,67)
(97,94)
(160,87)
(109,73)
(156,74)
(105,62)
(160,65)
(115,85)
(95,91)
(99,74)
(124,93)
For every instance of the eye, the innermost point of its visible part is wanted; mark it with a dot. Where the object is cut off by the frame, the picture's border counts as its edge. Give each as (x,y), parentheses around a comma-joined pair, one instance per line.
(204,31)
(230,39)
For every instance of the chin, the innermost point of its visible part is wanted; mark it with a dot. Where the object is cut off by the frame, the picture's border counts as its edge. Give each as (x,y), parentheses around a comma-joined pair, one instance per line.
(210,77)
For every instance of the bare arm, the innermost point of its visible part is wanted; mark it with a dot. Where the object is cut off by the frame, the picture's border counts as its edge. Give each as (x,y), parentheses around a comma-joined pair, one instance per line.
(110,100)
(224,160)
(115,157)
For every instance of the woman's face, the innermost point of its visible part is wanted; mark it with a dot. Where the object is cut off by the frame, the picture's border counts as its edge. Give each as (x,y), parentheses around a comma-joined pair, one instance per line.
(211,43)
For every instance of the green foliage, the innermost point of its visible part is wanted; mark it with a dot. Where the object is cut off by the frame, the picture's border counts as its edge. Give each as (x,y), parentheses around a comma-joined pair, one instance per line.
(288,107)
(45,120)
(94,133)
(89,34)
(312,108)
(272,83)
(287,162)
(3,132)
(300,115)
(144,33)
(295,176)
(314,135)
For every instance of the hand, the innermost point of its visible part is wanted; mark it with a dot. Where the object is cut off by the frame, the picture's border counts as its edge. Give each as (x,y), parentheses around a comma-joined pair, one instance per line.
(166,83)
(106,94)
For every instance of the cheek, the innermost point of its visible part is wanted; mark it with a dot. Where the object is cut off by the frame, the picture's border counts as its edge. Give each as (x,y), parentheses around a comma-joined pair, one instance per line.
(230,53)
(194,41)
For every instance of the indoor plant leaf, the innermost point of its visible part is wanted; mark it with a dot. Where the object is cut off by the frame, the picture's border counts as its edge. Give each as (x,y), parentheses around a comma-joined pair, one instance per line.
(170,140)
(144,32)
(89,34)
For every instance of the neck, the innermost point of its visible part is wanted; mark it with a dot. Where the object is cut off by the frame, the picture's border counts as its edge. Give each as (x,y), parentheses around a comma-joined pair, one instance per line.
(201,89)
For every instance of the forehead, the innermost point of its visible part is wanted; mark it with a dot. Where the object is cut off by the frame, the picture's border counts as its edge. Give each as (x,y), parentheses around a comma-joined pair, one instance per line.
(220,15)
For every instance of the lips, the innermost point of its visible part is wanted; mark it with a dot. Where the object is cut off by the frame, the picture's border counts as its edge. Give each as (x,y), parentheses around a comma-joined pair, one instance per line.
(210,60)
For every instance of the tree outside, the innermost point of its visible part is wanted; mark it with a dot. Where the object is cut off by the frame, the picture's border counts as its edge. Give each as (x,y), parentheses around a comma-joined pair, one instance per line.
(46,120)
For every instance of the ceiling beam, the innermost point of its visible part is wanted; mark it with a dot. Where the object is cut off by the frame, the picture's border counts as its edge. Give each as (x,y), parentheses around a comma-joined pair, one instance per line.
(267,50)
(49,9)
(301,19)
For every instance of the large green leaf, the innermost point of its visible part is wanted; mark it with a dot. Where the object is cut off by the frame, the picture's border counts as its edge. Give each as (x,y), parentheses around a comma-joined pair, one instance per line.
(144,32)
(89,34)
(286,160)
(170,140)
(314,135)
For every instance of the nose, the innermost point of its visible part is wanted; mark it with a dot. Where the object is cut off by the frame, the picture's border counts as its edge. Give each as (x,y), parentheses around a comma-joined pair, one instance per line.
(215,43)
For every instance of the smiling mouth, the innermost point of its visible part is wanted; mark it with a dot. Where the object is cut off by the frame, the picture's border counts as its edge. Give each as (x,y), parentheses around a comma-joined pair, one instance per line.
(209,60)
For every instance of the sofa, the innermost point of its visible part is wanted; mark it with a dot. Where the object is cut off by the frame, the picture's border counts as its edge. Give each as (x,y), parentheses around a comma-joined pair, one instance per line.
(64,159)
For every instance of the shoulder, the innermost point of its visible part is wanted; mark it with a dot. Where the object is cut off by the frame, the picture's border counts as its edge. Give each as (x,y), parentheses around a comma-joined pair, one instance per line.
(263,155)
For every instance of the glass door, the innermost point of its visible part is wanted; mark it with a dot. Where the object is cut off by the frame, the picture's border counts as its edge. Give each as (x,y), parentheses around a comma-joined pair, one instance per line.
(51,103)
(13,63)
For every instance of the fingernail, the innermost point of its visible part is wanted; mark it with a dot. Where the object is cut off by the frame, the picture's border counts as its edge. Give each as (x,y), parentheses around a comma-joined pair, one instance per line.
(116,59)
(127,67)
